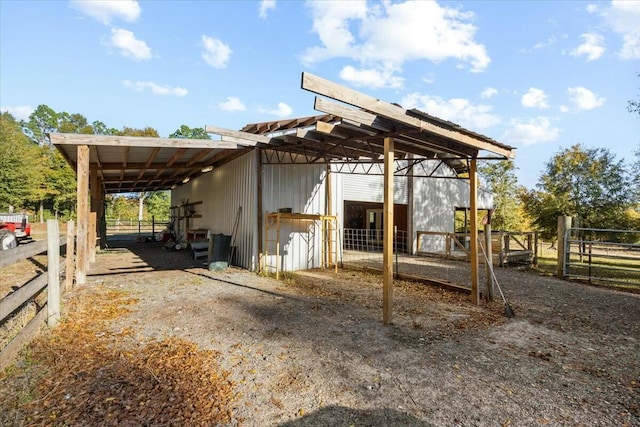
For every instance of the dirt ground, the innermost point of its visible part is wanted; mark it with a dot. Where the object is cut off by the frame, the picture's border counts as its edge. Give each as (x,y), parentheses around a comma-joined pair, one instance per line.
(311,350)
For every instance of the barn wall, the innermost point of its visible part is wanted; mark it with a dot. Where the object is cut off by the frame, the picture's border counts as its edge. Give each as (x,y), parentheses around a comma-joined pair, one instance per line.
(435,201)
(222,192)
(369,188)
(436,194)
(300,187)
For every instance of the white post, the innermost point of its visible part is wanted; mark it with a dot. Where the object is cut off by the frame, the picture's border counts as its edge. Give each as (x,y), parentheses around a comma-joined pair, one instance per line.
(53,273)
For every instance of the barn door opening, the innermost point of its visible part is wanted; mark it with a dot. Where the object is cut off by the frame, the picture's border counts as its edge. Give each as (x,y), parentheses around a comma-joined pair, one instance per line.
(375,223)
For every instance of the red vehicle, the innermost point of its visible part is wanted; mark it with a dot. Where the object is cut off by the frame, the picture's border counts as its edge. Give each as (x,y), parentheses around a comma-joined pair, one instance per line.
(14,228)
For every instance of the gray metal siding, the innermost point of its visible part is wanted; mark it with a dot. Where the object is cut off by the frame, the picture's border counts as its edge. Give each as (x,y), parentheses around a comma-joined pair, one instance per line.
(222,192)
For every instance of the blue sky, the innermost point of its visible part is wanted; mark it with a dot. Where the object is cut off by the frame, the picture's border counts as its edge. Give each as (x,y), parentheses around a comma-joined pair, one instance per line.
(540,75)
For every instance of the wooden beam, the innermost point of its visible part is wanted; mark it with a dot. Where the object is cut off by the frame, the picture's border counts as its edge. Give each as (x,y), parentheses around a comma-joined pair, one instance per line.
(358,116)
(332,90)
(179,153)
(83,213)
(473,204)
(125,157)
(247,138)
(387,235)
(95,212)
(198,156)
(139,141)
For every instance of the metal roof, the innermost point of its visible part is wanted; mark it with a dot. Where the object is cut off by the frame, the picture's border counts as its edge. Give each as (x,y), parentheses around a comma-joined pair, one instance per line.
(351,130)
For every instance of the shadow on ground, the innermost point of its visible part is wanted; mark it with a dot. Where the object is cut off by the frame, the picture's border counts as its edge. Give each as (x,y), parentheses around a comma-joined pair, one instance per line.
(343,416)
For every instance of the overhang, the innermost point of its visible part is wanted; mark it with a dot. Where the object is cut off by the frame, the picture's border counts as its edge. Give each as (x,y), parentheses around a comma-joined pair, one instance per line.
(350,130)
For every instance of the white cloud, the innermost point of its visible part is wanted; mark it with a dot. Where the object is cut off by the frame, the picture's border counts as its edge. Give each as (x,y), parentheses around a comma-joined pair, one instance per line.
(20,112)
(105,11)
(283,110)
(129,45)
(489,92)
(215,52)
(583,99)
(623,18)
(232,104)
(534,98)
(370,78)
(265,6)
(592,46)
(384,36)
(592,8)
(548,42)
(529,132)
(155,88)
(457,110)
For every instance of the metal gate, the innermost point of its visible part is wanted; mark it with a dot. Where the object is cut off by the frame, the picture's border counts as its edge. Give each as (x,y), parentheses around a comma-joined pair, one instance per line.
(602,256)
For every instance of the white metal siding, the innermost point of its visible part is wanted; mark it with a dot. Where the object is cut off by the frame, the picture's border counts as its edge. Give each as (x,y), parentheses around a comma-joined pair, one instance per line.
(222,192)
(435,202)
(300,187)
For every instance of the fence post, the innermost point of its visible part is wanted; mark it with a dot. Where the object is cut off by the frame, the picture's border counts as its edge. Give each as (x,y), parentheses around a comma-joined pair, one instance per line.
(489,261)
(92,237)
(564,224)
(139,225)
(53,273)
(68,280)
(153,227)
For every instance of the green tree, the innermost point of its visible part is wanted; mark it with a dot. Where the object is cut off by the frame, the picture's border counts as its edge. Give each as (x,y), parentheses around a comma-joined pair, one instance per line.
(148,132)
(588,184)
(157,204)
(19,164)
(42,121)
(127,131)
(56,186)
(501,180)
(190,133)
(634,105)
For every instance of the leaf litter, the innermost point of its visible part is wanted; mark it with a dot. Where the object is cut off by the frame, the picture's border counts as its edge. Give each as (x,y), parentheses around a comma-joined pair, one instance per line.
(80,373)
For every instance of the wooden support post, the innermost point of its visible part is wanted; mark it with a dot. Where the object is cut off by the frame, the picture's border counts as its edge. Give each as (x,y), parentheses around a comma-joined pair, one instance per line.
(489,261)
(83,213)
(70,254)
(564,223)
(92,237)
(410,241)
(387,234)
(101,220)
(53,272)
(473,199)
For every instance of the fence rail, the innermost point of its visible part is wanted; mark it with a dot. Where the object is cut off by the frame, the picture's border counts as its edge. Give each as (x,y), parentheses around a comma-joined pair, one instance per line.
(590,255)
(16,301)
(134,226)
(507,248)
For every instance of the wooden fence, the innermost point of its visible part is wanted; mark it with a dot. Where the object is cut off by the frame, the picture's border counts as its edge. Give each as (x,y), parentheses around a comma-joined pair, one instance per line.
(507,248)
(19,299)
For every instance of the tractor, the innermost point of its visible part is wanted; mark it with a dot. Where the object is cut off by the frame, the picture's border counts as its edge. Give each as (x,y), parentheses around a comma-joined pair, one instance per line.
(13,230)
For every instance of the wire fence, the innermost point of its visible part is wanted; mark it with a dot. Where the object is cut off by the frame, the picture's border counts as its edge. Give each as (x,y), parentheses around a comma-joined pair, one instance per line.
(603,256)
